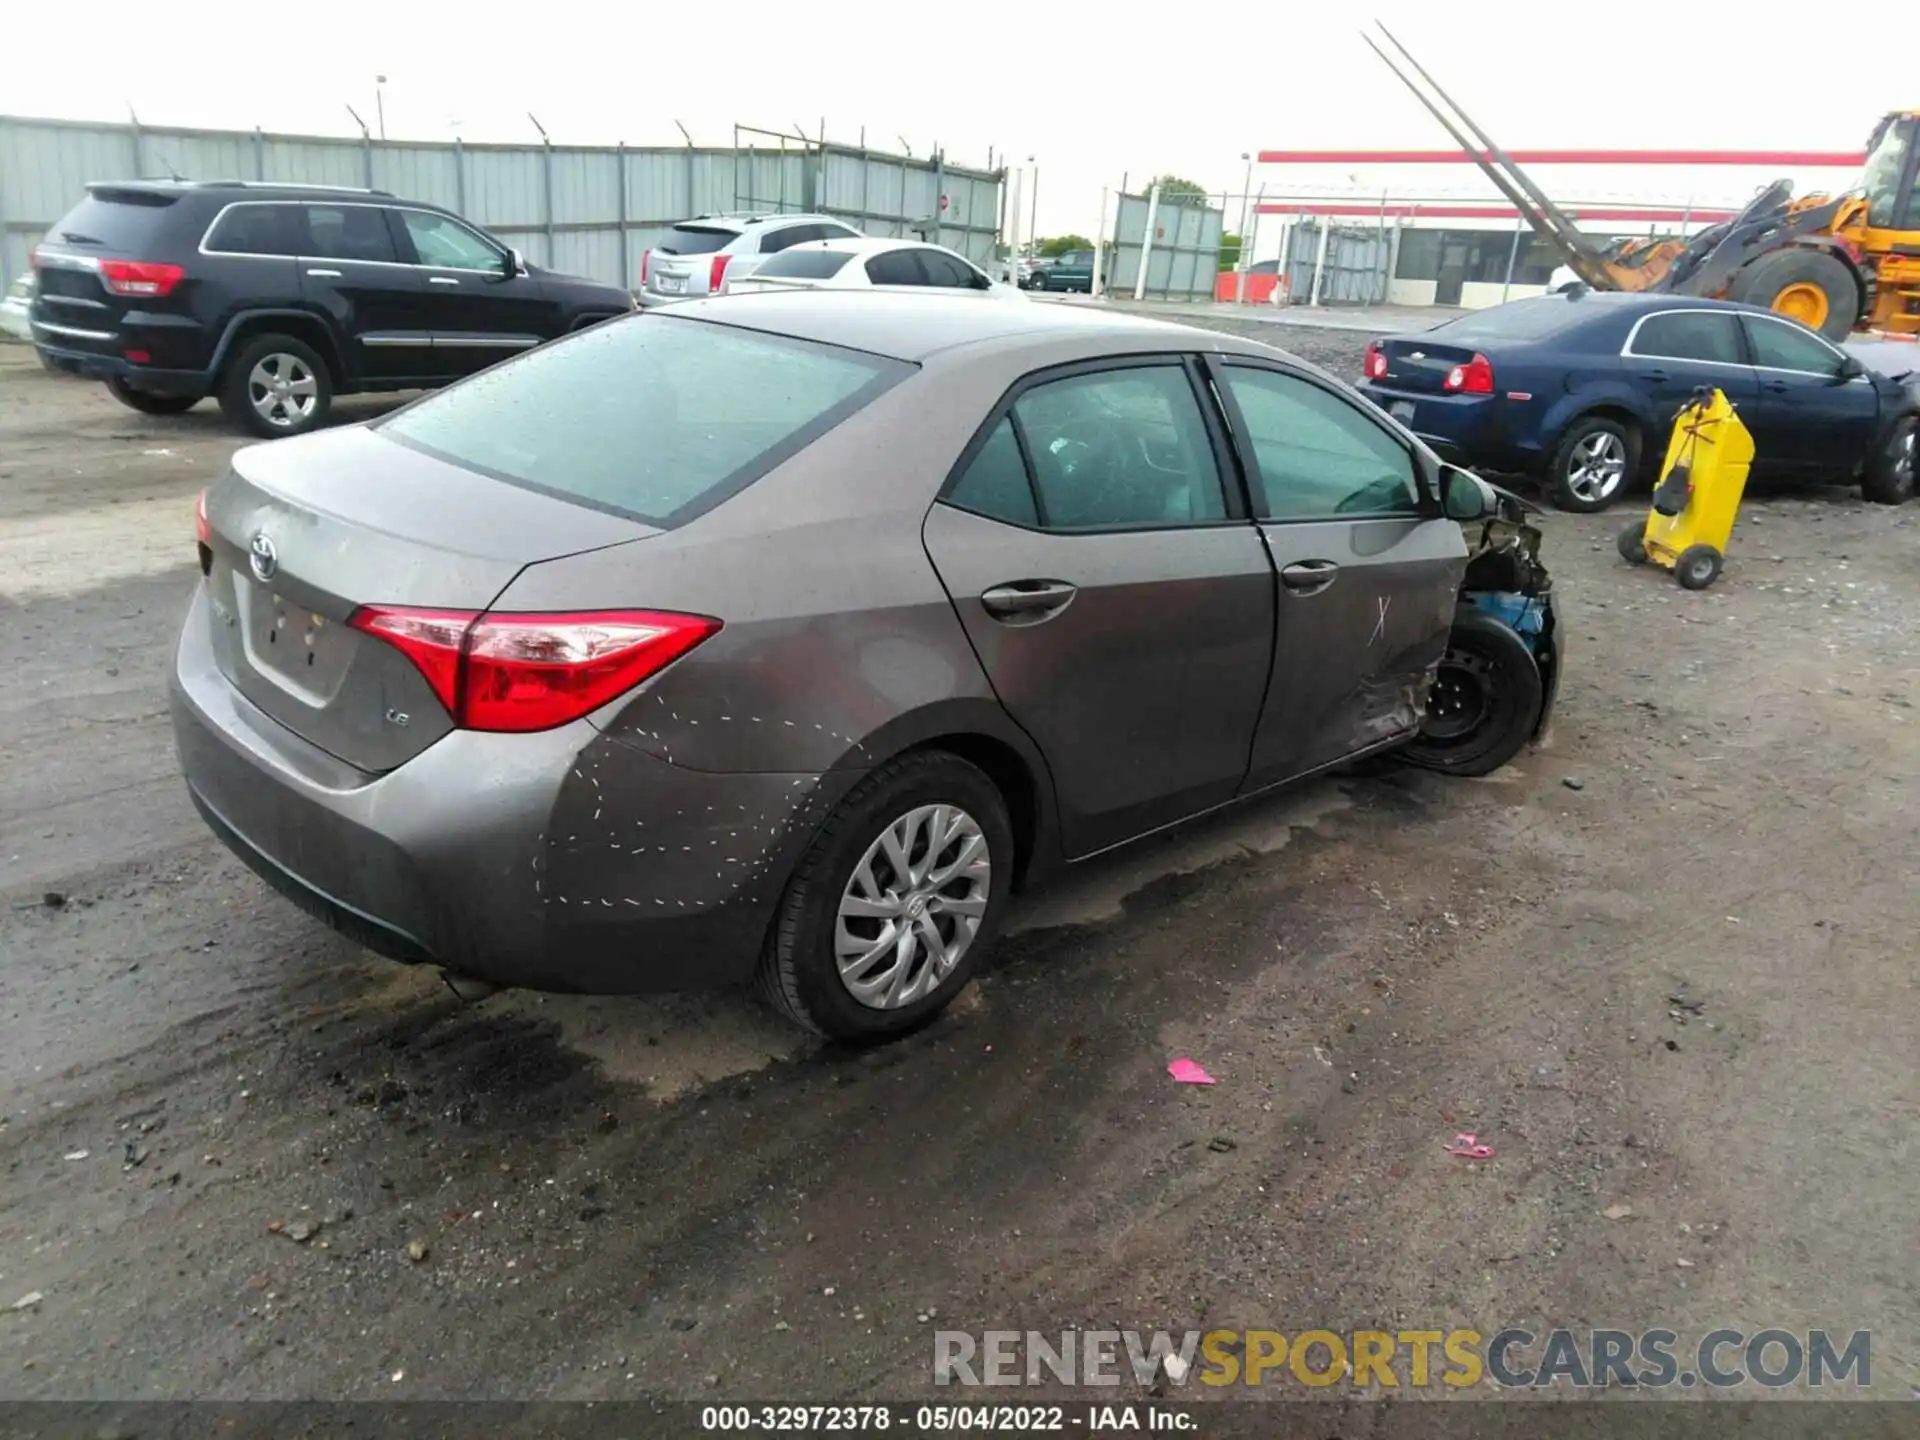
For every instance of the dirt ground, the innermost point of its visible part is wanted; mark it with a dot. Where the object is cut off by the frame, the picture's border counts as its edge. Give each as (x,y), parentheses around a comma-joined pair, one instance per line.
(679,1198)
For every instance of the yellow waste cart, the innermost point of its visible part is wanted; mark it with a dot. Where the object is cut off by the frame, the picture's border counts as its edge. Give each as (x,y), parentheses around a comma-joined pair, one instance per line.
(1698,496)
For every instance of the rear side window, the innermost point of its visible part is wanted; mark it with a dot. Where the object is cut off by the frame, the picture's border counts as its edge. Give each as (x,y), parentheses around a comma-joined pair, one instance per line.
(1708,336)
(772,242)
(257,230)
(349,232)
(128,221)
(806,264)
(946,270)
(693,412)
(1522,320)
(694,240)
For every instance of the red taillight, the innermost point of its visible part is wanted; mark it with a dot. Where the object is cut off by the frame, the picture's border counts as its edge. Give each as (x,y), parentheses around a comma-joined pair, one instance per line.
(138,277)
(202,530)
(1376,361)
(518,673)
(646,258)
(33,257)
(1473,378)
(719,273)
(138,357)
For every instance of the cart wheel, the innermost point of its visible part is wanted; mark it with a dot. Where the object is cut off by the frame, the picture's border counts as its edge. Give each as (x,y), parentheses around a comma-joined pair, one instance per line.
(1632,543)
(1697,567)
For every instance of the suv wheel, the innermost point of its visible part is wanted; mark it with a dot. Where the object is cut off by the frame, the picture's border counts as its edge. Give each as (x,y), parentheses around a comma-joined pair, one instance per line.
(276,386)
(900,892)
(145,401)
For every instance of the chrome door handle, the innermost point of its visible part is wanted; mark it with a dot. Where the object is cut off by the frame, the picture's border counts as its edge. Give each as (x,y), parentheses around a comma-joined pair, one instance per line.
(442,280)
(1659,377)
(325,274)
(1309,577)
(1027,600)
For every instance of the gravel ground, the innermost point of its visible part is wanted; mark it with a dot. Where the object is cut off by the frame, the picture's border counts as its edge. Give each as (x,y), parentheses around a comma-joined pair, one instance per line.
(239,1158)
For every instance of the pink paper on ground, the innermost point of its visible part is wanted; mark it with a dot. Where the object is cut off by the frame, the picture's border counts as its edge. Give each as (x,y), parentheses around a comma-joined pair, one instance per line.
(1188,1073)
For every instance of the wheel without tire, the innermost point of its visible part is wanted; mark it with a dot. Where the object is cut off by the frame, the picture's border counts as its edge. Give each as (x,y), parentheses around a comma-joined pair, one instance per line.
(1810,286)
(1485,701)
(888,912)
(146,402)
(1697,567)
(1593,463)
(276,386)
(1632,544)
(1890,477)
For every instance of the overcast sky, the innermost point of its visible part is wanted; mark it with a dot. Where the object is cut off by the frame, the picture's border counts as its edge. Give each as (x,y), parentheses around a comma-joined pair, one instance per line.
(1135,89)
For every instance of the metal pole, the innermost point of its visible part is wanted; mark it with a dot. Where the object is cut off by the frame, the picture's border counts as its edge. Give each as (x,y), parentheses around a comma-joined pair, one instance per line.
(259,154)
(6,273)
(1381,233)
(1146,243)
(1393,255)
(1013,217)
(1100,245)
(459,176)
(1033,205)
(380,106)
(620,159)
(1513,256)
(133,130)
(939,194)
(547,181)
(1247,247)
(366,160)
(1320,261)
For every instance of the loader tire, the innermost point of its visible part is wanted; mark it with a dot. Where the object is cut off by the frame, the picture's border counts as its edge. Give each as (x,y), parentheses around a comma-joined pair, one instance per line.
(1890,477)
(1810,286)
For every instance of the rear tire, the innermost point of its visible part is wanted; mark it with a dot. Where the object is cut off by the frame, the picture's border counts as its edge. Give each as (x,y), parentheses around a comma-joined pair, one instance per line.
(800,971)
(1810,286)
(148,403)
(1485,703)
(1890,477)
(1697,567)
(250,392)
(1594,463)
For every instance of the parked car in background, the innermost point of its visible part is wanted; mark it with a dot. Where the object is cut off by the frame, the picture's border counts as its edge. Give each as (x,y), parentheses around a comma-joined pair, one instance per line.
(1582,389)
(694,258)
(781,638)
(868,263)
(277,298)
(1071,271)
(16,318)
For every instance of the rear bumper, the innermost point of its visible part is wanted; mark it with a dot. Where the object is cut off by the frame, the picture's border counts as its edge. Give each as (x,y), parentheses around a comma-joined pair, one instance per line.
(1469,430)
(177,348)
(563,861)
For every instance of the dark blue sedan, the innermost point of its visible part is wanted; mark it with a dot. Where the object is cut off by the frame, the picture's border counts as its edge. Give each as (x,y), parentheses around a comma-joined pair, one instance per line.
(1582,389)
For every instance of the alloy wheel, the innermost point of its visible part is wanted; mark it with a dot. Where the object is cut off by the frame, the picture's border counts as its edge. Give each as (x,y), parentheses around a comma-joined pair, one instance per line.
(1597,466)
(282,390)
(912,907)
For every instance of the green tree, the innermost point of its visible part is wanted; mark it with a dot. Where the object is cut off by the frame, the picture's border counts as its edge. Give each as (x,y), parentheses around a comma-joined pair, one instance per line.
(1229,251)
(1175,187)
(1061,244)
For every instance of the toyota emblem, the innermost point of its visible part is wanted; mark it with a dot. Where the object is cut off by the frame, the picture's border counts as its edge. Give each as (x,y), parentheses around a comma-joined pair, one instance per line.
(263,557)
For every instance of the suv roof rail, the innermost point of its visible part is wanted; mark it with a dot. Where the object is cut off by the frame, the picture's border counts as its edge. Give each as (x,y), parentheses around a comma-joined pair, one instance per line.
(291,185)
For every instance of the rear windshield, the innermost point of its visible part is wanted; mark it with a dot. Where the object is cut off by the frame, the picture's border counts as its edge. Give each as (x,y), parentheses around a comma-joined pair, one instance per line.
(651,417)
(806,264)
(124,221)
(693,240)
(1520,320)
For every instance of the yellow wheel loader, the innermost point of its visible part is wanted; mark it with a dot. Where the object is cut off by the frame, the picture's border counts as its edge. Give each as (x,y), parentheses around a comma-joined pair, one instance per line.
(1835,263)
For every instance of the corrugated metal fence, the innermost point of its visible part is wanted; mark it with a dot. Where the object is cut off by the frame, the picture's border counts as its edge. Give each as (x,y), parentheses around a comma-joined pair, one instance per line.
(1184,256)
(1356,261)
(585,210)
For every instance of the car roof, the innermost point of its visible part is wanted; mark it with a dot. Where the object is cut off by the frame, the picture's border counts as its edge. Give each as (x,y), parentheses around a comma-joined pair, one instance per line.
(740,223)
(917,325)
(870,245)
(244,189)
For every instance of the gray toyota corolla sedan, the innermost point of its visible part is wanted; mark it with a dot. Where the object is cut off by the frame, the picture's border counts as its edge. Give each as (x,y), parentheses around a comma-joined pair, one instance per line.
(778,637)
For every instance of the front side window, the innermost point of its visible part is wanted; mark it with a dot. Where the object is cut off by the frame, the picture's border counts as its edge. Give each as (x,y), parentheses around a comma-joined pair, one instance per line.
(1120,449)
(1320,456)
(1703,336)
(895,267)
(650,417)
(445,244)
(1778,345)
(349,232)
(946,271)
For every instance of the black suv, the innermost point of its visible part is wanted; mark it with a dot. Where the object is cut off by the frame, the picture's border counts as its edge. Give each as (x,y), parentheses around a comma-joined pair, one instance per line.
(276,298)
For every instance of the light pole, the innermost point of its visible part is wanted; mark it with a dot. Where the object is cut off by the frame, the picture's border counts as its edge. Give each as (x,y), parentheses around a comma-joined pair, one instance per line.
(1033,205)
(1246,187)
(380,103)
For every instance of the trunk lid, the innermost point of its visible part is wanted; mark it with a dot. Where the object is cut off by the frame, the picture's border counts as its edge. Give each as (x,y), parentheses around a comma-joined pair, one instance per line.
(1421,364)
(114,222)
(304,532)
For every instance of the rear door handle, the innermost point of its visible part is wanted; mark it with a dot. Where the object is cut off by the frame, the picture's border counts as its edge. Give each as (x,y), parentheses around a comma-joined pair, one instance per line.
(1777,387)
(442,280)
(325,274)
(1309,577)
(1027,601)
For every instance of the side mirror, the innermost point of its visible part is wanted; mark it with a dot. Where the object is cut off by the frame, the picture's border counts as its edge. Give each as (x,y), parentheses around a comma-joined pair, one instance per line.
(516,265)
(1465,496)
(1851,368)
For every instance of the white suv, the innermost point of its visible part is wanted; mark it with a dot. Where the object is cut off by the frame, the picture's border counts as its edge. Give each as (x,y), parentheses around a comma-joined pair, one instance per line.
(696,257)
